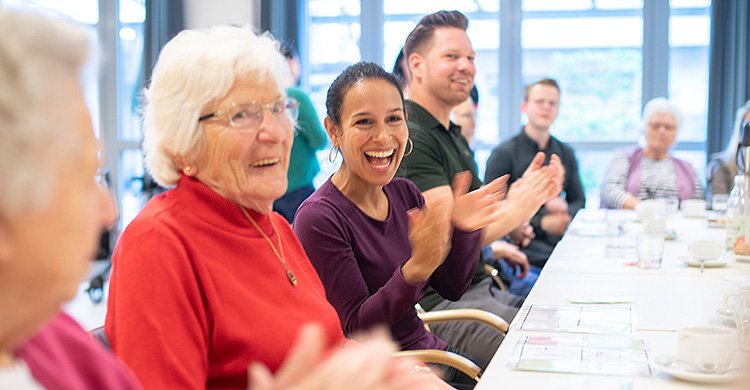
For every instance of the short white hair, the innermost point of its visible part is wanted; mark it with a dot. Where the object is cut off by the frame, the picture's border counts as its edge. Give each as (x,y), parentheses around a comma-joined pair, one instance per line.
(36,55)
(195,68)
(661,105)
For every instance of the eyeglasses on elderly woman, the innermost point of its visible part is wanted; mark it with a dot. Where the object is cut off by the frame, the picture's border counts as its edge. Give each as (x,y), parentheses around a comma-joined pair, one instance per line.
(246,116)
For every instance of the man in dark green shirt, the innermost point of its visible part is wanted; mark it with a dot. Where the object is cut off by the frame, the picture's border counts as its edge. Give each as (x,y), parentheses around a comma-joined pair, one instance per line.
(441,63)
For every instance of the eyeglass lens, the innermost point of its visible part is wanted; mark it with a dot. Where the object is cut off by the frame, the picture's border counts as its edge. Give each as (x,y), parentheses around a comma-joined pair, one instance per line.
(249,115)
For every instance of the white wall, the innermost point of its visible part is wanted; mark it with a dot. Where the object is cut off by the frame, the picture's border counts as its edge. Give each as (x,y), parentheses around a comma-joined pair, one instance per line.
(204,13)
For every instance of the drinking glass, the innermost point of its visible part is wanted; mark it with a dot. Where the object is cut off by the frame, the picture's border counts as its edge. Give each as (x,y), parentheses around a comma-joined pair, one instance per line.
(650,248)
(719,202)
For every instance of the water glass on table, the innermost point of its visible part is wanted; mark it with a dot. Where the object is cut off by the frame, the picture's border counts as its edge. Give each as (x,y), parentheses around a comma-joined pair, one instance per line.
(719,202)
(739,304)
(650,248)
(671,205)
(615,230)
(742,321)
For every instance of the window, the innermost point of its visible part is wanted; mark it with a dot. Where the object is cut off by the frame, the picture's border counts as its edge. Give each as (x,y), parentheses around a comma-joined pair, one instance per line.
(126,147)
(568,40)
(573,41)
(588,41)
(689,36)
(335,22)
(115,59)
(338,22)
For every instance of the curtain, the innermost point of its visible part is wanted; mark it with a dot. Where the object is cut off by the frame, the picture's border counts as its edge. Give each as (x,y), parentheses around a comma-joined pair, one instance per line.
(164,19)
(729,85)
(280,17)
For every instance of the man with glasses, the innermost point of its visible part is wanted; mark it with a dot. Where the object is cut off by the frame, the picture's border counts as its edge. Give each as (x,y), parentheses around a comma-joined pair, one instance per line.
(540,104)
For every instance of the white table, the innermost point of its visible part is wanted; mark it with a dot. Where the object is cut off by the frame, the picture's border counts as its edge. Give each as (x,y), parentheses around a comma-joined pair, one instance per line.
(665,300)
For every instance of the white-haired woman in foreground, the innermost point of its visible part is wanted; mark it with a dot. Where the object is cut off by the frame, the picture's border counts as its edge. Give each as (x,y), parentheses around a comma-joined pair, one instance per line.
(51,209)
(651,172)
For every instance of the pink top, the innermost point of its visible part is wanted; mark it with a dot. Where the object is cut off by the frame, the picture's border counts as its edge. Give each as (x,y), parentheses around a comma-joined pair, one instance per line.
(63,356)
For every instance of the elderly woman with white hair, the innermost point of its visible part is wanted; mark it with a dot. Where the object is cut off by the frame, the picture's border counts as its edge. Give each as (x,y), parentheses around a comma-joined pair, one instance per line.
(207,280)
(650,172)
(51,209)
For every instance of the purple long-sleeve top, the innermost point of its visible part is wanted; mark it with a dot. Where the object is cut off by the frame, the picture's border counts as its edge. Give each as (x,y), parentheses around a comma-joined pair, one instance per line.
(359,261)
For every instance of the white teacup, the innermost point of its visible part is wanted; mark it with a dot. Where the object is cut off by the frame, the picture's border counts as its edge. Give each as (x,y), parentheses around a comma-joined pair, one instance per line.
(650,208)
(706,250)
(710,348)
(693,207)
(654,225)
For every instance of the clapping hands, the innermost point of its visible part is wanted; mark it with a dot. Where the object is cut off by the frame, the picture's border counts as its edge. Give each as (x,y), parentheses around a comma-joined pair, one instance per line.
(368,364)
(476,209)
(431,228)
(538,184)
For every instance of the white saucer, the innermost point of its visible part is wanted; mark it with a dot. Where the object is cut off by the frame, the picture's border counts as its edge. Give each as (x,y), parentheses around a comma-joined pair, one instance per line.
(720,262)
(743,258)
(684,372)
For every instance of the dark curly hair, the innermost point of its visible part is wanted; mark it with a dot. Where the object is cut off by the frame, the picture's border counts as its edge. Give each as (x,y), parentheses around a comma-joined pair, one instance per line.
(351,75)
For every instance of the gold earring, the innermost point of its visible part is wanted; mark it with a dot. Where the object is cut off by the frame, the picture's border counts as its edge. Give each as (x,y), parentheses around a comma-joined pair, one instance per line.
(333,153)
(187,169)
(411,149)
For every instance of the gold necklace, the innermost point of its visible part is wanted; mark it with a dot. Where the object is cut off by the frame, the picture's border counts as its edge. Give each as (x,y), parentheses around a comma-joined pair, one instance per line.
(280,252)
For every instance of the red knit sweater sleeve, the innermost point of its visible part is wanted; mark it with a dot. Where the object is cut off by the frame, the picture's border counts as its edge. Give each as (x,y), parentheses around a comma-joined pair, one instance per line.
(161,329)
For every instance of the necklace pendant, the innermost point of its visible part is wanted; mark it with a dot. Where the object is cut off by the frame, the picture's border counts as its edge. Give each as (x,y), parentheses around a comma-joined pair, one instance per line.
(291,277)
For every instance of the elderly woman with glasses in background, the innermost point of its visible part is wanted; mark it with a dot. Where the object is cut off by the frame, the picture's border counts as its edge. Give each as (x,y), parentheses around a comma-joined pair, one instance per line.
(650,172)
(207,280)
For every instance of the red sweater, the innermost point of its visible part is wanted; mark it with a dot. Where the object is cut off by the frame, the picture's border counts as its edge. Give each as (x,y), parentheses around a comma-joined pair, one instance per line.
(197,294)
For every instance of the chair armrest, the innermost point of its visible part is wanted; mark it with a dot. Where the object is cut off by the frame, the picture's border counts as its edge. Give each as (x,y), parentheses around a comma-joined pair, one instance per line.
(485,317)
(447,358)
(495,275)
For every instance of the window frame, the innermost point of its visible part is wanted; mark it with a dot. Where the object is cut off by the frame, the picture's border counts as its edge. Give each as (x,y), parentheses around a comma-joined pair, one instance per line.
(655,55)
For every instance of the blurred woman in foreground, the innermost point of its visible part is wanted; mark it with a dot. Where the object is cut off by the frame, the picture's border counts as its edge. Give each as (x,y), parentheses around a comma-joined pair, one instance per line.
(51,209)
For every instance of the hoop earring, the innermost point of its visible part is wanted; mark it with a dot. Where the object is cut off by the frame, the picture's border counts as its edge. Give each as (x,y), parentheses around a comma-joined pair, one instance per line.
(411,149)
(333,153)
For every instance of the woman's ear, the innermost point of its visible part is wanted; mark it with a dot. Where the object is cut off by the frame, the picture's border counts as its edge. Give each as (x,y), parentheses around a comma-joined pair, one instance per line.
(185,167)
(333,130)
